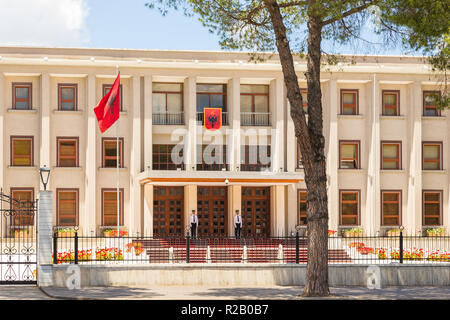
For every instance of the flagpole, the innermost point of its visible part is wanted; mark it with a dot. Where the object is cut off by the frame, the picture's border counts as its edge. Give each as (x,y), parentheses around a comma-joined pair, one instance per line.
(117,164)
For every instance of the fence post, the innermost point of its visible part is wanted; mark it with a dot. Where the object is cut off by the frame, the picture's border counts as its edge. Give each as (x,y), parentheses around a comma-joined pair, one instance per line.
(55,248)
(297,248)
(76,247)
(401,246)
(187,248)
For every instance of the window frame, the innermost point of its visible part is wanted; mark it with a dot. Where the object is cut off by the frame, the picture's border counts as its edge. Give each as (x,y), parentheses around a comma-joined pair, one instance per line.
(225,94)
(441,207)
(399,154)
(21,189)
(121,207)
(440,158)
(166,93)
(399,202)
(159,164)
(109,86)
(355,106)
(358,201)
(29,86)
(12,156)
(58,156)
(358,153)
(121,150)
(299,214)
(424,94)
(397,102)
(77,203)
(73,86)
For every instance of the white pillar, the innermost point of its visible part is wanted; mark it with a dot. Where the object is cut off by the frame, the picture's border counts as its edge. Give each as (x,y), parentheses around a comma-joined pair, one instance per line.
(277,136)
(278,211)
(234,147)
(190,109)
(44,244)
(148,121)
(44,147)
(332,157)
(148,209)
(2,112)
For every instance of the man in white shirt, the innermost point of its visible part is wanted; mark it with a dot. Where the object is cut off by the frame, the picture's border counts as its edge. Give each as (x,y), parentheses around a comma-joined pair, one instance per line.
(194,223)
(237,224)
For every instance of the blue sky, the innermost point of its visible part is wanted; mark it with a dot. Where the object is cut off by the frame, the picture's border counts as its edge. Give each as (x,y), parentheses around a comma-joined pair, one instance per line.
(111,24)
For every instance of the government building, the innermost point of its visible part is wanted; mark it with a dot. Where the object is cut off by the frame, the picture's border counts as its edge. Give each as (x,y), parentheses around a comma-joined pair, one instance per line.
(387,144)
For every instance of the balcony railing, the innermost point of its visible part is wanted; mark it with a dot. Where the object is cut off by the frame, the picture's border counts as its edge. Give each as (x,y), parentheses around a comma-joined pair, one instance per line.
(256,118)
(170,118)
(212,167)
(200,118)
(255,167)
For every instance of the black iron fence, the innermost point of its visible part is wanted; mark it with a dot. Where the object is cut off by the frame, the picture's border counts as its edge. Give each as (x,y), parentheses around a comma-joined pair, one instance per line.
(71,248)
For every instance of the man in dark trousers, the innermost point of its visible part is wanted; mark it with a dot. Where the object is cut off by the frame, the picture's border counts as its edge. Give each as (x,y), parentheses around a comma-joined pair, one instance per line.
(237,224)
(194,224)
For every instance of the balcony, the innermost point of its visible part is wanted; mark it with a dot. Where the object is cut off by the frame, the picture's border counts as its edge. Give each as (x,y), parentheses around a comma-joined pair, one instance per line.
(169,118)
(259,119)
(200,118)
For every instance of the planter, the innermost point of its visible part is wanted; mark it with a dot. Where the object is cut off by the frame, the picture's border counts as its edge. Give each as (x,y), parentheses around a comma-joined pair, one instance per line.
(393,233)
(431,234)
(66,234)
(108,233)
(352,234)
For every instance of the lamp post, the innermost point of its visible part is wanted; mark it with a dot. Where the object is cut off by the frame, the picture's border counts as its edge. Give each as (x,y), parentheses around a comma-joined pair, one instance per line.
(45,175)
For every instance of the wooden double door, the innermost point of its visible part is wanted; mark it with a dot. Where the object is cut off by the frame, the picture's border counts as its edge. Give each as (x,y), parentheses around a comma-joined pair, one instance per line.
(212,209)
(168,211)
(255,213)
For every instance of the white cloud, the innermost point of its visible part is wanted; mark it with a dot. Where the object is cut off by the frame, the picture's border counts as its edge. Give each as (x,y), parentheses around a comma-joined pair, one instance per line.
(56,23)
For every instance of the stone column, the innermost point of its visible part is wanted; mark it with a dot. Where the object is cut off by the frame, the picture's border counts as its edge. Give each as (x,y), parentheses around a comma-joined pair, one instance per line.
(277,211)
(190,203)
(44,147)
(234,145)
(190,109)
(234,203)
(44,244)
(332,157)
(277,135)
(148,121)
(2,112)
(148,209)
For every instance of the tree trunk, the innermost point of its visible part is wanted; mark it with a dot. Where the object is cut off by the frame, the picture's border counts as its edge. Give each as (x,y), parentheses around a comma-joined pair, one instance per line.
(312,146)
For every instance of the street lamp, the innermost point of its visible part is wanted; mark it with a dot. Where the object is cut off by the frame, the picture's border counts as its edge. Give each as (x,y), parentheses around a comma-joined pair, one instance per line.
(45,174)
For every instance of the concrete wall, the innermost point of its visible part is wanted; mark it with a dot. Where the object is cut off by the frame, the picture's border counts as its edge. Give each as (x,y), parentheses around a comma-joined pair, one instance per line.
(234,275)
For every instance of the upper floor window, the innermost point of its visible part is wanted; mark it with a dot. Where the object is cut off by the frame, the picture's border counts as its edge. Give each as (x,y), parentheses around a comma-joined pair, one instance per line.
(167,157)
(304,93)
(67,96)
(167,103)
(22,93)
(67,151)
(255,105)
(110,154)
(67,207)
(255,157)
(349,154)
(107,87)
(432,155)
(211,157)
(212,96)
(391,208)
(349,102)
(391,103)
(391,155)
(432,207)
(22,151)
(430,108)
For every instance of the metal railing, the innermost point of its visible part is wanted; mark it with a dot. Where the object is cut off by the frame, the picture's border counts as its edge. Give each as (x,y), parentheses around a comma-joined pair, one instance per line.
(168,118)
(292,249)
(256,118)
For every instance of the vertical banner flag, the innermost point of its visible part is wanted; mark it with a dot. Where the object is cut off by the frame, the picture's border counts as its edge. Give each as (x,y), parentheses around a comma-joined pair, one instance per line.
(212,118)
(108,109)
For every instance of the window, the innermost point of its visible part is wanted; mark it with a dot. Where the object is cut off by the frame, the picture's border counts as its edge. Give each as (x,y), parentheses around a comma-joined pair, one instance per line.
(211,96)
(391,155)
(349,207)
(109,207)
(432,207)
(391,103)
(67,151)
(167,157)
(391,208)
(255,157)
(430,108)
(299,156)
(432,156)
(349,102)
(254,105)
(22,96)
(22,151)
(67,207)
(107,87)
(110,152)
(212,157)
(349,154)
(304,93)
(23,214)
(67,96)
(301,219)
(167,103)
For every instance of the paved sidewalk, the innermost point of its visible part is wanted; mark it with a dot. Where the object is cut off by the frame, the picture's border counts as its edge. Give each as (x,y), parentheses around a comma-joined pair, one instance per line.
(221,293)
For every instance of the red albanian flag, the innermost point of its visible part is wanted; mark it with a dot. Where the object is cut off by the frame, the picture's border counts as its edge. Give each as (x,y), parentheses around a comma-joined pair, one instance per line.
(213,118)
(108,109)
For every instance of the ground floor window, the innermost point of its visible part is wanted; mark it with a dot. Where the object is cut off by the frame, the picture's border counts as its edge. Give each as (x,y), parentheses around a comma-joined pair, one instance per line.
(67,207)
(109,207)
(301,214)
(391,208)
(349,207)
(432,207)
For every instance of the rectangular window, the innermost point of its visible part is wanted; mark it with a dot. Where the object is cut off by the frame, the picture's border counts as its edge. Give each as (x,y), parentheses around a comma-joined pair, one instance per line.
(432,156)
(67,207)
(167,157)
(430,108)
(109,207)
(349,154)
(254,105)
(391,208)
(67,151)
(432,207)
(349,207)
(255,157)
(167,103)
(110,154)
(391,155)
(391,103)
(301,219)
(107,87)
(212,96)
(212,157)
(22,151)
(22,206)
(67,96)
(349,102)
(304,93)
(22,96)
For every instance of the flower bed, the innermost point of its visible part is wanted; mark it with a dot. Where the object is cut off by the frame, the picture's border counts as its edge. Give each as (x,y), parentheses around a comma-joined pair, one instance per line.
(438,256)
(109,233)
(69,256)
(137,246)
(410,254)
(108,254)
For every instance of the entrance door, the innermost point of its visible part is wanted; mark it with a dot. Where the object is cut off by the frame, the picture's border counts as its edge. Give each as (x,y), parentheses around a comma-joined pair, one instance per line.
(168,211)
(212,211)
(255,211)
